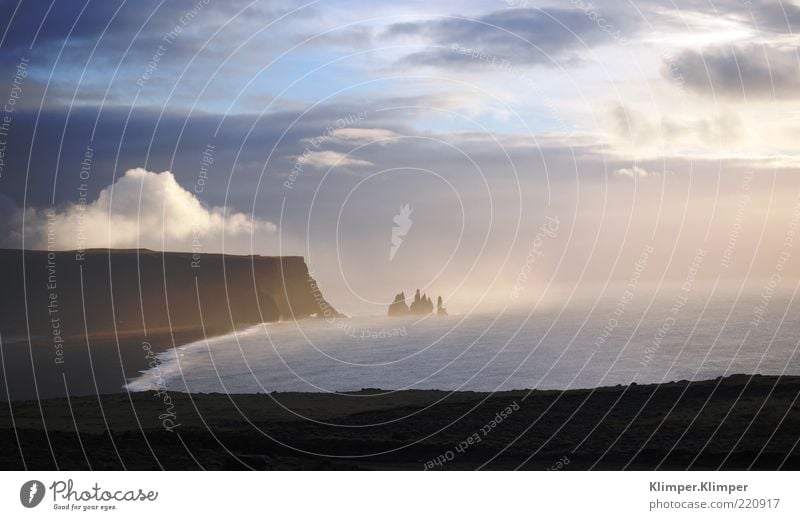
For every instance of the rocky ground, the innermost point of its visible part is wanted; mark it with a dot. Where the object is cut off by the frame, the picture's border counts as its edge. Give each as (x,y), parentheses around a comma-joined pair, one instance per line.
(738,422)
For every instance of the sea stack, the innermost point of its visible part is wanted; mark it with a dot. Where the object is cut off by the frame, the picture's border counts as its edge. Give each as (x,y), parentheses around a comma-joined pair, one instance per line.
(441,311)
(421,305)
(399,307)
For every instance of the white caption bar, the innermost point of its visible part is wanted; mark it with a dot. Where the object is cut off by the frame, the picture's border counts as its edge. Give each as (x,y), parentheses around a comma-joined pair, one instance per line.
(399,495)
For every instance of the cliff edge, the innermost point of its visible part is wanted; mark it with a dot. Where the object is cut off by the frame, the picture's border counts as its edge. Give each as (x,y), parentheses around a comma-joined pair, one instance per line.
(125,291)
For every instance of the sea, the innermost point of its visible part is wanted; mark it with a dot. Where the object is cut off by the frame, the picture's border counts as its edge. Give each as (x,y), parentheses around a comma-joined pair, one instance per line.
(614,340)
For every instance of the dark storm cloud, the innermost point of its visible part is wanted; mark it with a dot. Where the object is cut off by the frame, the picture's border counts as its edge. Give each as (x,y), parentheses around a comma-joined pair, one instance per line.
(44,159)
(96,41)
(740,72)
(521,36)
(74,28)
(40,24)
(37,163)
(781,17)
(45,150)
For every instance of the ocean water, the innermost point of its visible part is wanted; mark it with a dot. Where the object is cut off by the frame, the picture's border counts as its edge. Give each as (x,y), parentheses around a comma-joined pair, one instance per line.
(670,337)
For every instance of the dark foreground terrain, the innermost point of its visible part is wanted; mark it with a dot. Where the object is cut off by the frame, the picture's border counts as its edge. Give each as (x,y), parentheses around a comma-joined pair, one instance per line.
(737,422)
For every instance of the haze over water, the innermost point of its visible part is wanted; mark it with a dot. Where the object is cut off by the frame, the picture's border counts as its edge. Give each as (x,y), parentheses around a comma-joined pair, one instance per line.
(552,348)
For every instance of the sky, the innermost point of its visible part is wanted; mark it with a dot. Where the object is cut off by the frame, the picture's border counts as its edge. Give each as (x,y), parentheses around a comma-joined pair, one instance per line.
(542,148)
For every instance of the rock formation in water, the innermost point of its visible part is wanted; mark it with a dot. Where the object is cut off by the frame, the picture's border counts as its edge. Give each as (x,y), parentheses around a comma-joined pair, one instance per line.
(399,307)
(421,305)
(125,290)
(441,311)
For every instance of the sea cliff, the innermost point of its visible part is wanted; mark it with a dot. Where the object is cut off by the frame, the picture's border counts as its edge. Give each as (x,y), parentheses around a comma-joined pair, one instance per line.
(120,291)
(82,323)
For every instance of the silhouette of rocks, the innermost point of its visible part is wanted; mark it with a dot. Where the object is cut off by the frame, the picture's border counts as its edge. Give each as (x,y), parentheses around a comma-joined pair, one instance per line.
(441,311)
(421,305)
(399,307)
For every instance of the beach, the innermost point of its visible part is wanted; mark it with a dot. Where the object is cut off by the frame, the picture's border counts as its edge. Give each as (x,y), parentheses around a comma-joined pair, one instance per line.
(103,364)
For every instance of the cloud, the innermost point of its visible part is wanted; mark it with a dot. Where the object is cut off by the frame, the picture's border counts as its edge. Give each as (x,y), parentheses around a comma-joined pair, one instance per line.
(359,136)
(141,209)
(744,72)
(48,26)
(329,159)
(635,172)
(521,36)
(778,17)
(768,16)
(644,132)
(124,37)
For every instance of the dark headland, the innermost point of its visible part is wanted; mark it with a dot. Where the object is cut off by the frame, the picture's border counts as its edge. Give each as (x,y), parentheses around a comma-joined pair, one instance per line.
(738,422)
(85,322)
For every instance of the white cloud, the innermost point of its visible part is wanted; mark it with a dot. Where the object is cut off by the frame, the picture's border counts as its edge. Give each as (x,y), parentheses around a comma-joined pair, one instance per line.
(141,209)
(635,171)
(358,136)
(329,159)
